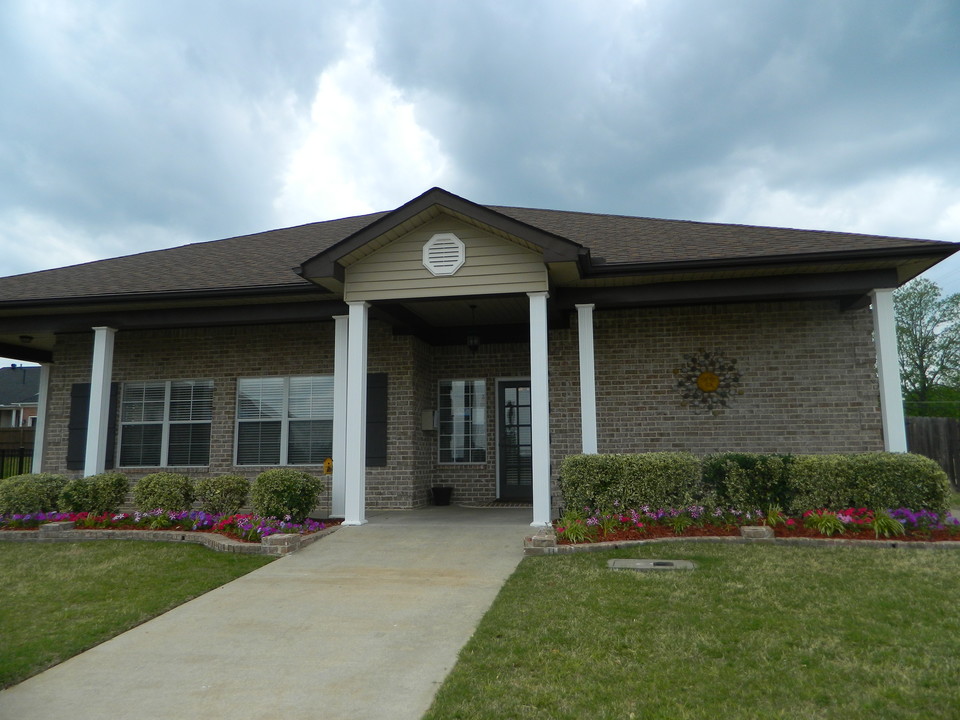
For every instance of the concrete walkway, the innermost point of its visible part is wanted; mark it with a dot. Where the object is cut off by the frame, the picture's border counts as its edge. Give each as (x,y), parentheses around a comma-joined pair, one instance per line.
(365,623)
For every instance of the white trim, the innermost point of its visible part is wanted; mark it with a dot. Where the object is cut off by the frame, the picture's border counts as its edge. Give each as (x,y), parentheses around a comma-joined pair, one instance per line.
(340,374)
(95,456)
(588,380)
(356,416)
(41,421)
(540,408)
(888,371)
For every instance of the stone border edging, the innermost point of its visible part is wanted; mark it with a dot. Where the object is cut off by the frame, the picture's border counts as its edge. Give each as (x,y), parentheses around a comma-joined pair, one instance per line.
(278,545)
(545,543)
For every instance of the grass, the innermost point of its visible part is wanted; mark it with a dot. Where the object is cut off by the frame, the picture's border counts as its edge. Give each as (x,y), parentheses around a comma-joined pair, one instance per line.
(754,632)
(60,599)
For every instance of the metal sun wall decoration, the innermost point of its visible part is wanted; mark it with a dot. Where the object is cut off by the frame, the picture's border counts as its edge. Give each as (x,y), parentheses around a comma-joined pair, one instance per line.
(707,380)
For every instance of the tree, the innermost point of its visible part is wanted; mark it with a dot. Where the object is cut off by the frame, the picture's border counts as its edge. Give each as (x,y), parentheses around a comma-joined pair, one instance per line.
(928,335)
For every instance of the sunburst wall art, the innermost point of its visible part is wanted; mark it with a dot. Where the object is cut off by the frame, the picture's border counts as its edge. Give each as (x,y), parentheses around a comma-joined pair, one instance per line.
(707,381)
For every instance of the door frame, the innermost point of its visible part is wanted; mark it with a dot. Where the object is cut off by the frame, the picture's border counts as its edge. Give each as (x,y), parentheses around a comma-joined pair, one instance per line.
(496,442)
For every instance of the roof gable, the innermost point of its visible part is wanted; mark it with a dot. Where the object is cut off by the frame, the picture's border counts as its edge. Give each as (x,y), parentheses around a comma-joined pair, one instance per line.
(330,262)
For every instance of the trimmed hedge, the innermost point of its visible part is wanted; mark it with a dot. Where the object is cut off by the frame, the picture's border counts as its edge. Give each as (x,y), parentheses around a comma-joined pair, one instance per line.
(871,480)
(748,480)
(630,481)
(31,493)
(222,495)
(284,491)
(103,493)
(163,491)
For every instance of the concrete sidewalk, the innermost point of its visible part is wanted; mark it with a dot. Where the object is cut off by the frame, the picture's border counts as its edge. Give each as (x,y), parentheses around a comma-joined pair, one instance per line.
(365,623)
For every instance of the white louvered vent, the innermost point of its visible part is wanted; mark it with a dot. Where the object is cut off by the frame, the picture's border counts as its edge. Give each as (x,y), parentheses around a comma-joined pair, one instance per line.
(443,254)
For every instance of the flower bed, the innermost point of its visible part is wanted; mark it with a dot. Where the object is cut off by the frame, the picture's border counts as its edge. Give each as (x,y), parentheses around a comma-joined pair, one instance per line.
(645,523)
(245,528)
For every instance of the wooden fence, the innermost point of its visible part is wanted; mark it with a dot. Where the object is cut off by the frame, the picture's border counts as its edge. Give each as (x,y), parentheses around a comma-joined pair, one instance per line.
(937,438)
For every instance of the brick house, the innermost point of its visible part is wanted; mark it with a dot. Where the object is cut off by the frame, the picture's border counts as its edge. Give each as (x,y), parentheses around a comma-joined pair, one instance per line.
(450,343)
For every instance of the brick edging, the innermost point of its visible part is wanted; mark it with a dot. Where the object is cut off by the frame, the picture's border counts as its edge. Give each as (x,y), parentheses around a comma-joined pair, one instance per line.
(279,544)
(540,544)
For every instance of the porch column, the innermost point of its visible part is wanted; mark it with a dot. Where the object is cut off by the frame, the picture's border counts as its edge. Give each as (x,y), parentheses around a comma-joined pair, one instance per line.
(540,408)
(888,371)
(339,453)
(588,382)
(41,424)
(355,456)
(99,414)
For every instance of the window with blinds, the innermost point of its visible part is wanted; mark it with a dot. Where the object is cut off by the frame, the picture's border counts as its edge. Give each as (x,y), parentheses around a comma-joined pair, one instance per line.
(165,423)
(462,419)
(284,420)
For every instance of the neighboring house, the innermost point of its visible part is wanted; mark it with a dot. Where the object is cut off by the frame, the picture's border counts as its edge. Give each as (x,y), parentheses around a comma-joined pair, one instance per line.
(450,343)
(19,389)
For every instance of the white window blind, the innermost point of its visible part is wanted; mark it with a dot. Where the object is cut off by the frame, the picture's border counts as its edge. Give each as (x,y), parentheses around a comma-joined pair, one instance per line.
(284,421)
(462,418)
(165,423)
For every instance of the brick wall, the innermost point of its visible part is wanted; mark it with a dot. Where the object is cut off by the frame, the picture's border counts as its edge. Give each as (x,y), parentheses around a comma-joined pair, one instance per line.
(807,380)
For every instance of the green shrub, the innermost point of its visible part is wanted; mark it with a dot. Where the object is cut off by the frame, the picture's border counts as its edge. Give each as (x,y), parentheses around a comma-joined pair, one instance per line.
(163,491)
(748,480)
(630,481)
(103,493)
(223,495)
(284,491)
(31,493)
(871,480)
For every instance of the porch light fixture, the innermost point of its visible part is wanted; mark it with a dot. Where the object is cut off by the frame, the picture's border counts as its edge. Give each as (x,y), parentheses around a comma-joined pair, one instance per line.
(473,338)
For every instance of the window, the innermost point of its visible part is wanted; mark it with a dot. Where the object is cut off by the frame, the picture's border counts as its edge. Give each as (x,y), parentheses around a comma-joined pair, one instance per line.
(463,421)
(165,423)
(284,421)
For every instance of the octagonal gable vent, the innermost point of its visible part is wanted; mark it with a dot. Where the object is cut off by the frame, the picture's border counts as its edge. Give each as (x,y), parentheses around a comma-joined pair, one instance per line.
(443,254)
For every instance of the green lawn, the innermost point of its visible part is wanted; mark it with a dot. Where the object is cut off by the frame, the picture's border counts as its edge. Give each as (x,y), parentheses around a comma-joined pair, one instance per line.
(954,501)
(754,632)
(57,600)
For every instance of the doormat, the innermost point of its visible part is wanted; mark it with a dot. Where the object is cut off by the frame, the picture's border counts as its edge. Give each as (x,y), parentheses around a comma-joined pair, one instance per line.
(497,504)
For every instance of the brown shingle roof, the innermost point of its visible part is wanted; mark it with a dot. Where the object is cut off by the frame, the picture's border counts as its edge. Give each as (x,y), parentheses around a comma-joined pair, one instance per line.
(265,261)
(623,239)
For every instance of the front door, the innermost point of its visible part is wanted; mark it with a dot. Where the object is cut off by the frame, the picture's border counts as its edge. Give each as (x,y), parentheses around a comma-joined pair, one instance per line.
(515,441)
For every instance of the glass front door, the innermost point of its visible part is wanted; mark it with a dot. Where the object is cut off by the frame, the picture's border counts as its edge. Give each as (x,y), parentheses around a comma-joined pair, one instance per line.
(515,441)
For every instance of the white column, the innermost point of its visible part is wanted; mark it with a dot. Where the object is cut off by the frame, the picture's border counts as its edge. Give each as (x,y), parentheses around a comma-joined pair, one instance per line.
(41,424)
(540,408)
(98,419)
(340,345)
(588,382)
(356,427)
(888,370)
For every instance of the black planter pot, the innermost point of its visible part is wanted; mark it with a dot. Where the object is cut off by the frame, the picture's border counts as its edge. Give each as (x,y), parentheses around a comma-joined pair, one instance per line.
(441,495)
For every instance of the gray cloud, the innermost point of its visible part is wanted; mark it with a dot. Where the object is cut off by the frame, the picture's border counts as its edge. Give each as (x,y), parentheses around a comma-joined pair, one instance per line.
(128,126)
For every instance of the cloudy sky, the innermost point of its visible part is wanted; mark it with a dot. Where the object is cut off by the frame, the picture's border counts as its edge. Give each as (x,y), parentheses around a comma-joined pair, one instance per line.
(129,126)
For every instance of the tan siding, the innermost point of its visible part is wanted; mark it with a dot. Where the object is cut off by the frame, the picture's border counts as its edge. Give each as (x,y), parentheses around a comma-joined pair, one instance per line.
(492,266)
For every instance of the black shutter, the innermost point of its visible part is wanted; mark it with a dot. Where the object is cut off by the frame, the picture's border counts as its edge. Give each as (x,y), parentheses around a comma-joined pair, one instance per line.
(376,419)
(77,426)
